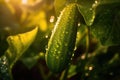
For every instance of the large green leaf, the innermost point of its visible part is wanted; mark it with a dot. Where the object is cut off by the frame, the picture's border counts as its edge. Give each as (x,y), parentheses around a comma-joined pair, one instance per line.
(109,1)
(18,44)
(32,58)
(81,34)
(106,26)
(87,10)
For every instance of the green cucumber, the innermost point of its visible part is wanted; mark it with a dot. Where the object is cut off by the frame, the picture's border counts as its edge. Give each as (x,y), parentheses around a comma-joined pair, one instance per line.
(62,40)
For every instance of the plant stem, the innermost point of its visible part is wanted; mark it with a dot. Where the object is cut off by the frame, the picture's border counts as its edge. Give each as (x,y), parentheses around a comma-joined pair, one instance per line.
(87,49)
(87,42)
(64,74)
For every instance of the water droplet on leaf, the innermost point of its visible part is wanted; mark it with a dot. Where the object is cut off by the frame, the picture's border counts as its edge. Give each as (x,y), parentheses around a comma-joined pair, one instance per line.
(66,32)
(78,24)
(57,57)
(52,18)
(66,44)
(46,36)
(86,74)
(90,68)
(4,68)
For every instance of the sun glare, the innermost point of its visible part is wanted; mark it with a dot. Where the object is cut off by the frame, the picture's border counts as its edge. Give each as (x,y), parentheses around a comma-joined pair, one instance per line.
(7,0)
(24,1)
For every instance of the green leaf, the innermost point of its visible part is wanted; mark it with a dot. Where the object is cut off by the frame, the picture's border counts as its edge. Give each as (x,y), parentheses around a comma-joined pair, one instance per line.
(18,44)
(72,71)
(35,18)
(81,33)
(31,58)
(87,10)
(106,26)
(109,1)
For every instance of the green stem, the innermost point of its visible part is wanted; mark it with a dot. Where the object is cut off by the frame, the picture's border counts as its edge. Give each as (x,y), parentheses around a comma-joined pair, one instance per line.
(87,42)
(65,73)
(87,49)
(42,72)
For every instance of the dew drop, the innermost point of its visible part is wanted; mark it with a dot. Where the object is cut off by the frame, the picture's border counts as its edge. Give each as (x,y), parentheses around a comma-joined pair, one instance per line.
(57,46)
(111,73)
(75,48)
(83,56)
(79,24)
(91,9)
(71,58)
(63,32)
(4,62)
(52,18)
(90,68)
(96,2)
(7,28)
(86,74)
(55,50)
(57,57)
(69,63)
(4,68)
(78,33)
(89,55)
(46,49)
(52,51)
(66,44)
(70,17)
(54,55)
(58,52)
(46,36)
(41,54)
(73,55)
(66,32)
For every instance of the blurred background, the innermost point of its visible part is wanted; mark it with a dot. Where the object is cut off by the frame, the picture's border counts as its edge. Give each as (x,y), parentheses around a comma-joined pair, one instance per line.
(20,16)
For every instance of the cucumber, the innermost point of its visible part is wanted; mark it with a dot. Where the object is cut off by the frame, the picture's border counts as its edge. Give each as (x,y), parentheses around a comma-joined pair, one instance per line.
(62,40)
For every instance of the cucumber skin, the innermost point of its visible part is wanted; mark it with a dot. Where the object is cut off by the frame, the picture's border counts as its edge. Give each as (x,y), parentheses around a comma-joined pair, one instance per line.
(62,40)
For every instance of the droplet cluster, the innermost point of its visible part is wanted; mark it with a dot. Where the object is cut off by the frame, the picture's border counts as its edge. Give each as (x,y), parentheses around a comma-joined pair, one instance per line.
(4,69)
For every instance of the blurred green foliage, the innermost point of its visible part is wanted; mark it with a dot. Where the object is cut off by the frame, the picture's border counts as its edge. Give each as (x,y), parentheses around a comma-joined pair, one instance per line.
(25,29)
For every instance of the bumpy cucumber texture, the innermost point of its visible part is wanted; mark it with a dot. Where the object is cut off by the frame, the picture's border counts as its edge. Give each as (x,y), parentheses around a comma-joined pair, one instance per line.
(62,40)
